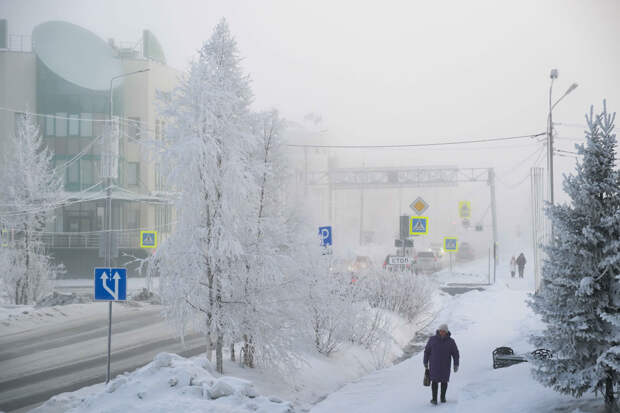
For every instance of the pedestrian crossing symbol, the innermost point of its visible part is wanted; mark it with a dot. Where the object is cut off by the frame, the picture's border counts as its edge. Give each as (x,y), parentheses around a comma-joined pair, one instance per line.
(465,209)
(418,225)
(148,239)
(450,244)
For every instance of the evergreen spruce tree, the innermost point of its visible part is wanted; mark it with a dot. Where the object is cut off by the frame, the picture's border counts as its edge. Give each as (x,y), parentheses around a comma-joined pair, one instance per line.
(579,298)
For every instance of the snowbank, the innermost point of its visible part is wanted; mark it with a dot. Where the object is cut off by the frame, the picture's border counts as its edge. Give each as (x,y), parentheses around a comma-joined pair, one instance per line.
(170,383)
(479,321)
(57,298)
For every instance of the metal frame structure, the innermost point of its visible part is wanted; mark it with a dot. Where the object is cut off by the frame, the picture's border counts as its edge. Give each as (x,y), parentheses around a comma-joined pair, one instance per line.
(403,177)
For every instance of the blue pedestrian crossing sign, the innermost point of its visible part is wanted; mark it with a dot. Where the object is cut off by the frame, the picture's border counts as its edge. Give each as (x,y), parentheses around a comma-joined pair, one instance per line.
(418,225)
(325,234)
(450,244)
(110,284)
(148,239)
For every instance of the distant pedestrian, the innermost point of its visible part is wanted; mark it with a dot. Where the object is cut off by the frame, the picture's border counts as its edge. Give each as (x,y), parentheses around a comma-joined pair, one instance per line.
(521,264)
(513,267)
(440,350)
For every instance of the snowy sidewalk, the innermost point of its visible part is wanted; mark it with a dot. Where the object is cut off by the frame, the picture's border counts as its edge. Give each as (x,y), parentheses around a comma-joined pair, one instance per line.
(479,321)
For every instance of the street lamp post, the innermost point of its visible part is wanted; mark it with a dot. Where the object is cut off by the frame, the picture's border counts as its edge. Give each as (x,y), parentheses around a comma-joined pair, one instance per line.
(109,174)
(553,76)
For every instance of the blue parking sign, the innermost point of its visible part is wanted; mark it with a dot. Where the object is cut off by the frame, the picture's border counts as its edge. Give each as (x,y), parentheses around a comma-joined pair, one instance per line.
(325,233)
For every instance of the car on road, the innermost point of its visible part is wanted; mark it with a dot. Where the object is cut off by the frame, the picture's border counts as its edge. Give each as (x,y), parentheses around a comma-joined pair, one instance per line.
(465,252)
(388,266)
(427,261)
(361,263)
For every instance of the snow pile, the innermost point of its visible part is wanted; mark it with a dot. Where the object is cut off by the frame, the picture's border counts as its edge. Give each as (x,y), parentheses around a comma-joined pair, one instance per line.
(146,295)
(57,298)
(479,321)
(170,383)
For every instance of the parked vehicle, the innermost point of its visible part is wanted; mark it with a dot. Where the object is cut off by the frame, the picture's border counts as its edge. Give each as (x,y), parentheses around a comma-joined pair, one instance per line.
(389,265)
(427,261)
(360,264)
(339,266)
(465,252)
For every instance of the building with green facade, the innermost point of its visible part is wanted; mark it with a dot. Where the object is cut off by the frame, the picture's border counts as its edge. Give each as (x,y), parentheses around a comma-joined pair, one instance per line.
(65,77)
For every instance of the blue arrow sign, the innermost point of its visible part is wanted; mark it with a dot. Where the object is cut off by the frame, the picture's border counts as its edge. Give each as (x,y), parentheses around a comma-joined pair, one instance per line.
(325,233)
(110,284)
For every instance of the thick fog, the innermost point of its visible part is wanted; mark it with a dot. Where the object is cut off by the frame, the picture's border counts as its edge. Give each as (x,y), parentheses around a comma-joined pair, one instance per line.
(408,72)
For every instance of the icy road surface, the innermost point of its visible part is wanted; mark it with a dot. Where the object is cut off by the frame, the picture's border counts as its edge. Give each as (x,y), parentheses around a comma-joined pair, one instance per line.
(65,353)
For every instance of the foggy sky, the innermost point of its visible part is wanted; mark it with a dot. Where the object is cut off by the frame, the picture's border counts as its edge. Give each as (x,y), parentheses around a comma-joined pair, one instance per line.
(393,72)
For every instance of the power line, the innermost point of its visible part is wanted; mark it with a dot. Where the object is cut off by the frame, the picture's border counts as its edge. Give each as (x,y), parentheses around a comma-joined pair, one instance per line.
(417,145)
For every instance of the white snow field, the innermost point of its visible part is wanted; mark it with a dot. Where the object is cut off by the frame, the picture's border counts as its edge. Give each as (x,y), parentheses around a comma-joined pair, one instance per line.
(479,321)
(169,383)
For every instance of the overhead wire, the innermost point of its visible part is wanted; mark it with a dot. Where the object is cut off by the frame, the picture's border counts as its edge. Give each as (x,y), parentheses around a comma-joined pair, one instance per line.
(415,145)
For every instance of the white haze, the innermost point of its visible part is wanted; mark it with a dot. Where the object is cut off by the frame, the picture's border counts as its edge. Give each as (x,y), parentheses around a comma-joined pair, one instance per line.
(388,72)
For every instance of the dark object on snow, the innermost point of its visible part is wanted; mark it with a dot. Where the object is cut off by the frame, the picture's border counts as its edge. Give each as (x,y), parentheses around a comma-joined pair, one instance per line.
(521,264)
(505,356)
(427,378)
(438,355)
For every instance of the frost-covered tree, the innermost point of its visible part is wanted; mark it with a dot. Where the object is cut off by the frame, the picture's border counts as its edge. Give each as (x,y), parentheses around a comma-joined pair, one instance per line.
(579,298)
(207,163)
(29,189)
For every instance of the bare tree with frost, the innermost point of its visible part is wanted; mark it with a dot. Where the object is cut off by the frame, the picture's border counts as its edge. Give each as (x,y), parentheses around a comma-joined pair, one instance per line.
(29,190)
(206,162)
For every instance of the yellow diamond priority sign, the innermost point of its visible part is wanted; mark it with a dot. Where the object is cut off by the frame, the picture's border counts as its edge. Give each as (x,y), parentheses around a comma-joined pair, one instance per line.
(419,205)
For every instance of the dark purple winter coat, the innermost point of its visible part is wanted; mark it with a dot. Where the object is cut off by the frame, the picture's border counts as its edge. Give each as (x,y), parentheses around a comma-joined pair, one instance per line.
(438,355)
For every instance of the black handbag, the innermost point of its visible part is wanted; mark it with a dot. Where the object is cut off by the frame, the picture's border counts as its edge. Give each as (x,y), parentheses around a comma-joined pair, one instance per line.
(427,378)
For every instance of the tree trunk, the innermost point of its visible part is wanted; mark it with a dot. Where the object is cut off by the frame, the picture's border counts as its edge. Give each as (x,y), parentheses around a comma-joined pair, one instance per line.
(219,360)
(610,402)
(232,352)
(248,351)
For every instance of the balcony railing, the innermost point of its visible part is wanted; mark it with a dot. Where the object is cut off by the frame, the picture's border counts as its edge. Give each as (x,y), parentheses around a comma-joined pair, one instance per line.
(126,240)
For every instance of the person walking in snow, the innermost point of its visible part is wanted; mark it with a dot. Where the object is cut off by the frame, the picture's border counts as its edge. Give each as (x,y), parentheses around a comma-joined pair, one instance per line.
(440,350)
(513,267)
(521,264)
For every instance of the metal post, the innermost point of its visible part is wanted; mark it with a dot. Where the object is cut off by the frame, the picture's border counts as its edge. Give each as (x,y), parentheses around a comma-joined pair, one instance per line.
(361,216)
(550,141)
(305,171)
(108,232)
(494,216)
(489,266)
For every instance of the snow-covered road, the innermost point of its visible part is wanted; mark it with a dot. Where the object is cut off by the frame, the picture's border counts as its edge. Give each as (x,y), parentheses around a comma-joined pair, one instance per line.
(480,321)
(64,355)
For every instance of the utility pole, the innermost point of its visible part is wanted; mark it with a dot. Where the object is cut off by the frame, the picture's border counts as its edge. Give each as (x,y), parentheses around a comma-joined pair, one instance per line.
(553,76)
(491,179)
(109,170)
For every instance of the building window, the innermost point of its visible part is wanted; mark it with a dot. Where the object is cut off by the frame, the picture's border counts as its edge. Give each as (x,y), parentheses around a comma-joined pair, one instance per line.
(87,173)
(74,125)
(86,124)
(133,218)
(133,128)
(98,124)
(73,174)
(61,124)
(49,126)
(133,171)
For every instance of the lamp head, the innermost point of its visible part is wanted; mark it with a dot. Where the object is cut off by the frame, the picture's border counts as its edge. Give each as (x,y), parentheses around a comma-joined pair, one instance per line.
(554,74)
